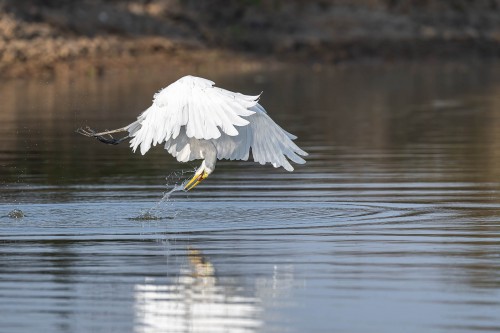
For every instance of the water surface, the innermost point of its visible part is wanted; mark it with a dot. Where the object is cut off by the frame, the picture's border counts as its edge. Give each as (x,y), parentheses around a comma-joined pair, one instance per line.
(393,224)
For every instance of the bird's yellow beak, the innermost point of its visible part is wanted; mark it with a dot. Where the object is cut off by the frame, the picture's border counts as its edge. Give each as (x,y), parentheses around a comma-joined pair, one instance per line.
(197,178)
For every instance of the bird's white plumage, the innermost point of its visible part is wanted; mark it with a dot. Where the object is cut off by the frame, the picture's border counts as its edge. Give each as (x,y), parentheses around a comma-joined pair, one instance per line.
(195,119)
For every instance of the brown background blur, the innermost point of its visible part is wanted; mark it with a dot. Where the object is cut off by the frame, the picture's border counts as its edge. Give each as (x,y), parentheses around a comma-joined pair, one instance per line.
(43,36)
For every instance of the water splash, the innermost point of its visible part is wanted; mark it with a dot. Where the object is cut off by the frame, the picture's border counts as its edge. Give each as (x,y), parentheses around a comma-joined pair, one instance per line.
(167,195)
(154,213)
(178,175)
(16,214)
(147,216)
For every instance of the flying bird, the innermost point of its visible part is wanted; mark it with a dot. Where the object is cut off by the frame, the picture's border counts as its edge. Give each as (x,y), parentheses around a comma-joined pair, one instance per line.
(196,120)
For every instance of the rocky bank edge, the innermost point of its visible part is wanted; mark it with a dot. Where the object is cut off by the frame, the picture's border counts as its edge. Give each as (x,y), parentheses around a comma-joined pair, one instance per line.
(45,37)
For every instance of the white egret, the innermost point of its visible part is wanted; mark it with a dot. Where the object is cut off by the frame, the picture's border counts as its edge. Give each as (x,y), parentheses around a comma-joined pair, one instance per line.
(196,120)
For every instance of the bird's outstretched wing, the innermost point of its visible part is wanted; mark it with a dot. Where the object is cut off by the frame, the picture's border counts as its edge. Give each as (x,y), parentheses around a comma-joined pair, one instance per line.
(267,142)
(194,107)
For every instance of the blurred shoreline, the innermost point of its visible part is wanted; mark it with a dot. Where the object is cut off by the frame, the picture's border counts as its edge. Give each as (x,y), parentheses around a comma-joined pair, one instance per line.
(50,38)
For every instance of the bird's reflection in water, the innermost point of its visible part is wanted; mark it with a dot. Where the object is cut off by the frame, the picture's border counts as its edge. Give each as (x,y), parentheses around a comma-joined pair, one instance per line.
(199,302)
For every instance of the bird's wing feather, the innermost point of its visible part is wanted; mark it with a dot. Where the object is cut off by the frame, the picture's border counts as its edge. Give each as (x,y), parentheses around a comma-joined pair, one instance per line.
(268,142)
(184,148)
(206,112)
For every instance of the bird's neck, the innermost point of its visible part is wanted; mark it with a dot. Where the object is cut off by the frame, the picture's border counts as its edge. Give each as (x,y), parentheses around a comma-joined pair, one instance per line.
(210,158)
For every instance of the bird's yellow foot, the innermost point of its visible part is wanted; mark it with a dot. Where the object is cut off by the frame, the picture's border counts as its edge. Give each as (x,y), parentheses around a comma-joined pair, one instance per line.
(197,178)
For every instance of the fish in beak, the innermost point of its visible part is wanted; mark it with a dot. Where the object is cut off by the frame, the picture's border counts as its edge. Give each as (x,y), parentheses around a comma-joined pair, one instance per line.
(197,178)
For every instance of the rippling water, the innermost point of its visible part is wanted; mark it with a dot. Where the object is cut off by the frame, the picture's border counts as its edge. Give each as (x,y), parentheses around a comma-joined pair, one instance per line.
(393,225)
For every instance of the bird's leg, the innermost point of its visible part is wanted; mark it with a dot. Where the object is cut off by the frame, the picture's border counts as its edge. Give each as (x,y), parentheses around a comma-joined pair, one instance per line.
(100,136)
(91,133)
(112,141)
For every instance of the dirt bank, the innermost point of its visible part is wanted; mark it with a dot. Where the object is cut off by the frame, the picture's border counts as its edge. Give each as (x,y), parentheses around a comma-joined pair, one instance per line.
(44,37)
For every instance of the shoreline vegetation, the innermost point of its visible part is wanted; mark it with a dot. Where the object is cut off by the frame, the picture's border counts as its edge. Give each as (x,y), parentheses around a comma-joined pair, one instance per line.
(49,38)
